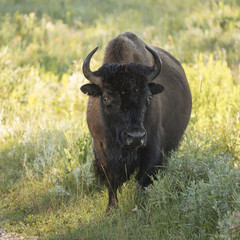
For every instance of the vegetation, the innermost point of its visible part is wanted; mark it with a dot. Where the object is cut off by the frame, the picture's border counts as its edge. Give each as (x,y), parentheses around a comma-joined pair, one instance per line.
(47,186)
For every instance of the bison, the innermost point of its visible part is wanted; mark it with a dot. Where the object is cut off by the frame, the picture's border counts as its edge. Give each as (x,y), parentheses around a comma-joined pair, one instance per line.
(138,109)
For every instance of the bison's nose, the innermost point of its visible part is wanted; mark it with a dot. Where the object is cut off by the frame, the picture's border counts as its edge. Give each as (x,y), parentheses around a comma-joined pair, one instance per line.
(135,137)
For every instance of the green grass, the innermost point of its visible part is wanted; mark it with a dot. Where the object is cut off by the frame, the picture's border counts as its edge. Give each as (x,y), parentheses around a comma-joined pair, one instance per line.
(47,186)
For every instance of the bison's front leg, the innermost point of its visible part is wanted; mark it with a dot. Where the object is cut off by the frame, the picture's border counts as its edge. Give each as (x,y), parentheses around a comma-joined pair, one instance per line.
(112,197)
(103,171)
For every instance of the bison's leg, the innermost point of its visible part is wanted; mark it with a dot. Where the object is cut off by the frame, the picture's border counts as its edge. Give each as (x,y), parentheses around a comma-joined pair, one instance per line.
(102,171)
(112,197)
(150,163)
(144,178)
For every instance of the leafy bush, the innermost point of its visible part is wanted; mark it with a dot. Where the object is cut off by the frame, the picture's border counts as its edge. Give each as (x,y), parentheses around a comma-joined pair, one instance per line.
(213,28)
(204,205)
(215,102)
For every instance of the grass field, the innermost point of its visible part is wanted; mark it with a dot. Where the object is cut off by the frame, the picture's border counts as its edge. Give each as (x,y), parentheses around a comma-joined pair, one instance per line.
(47,186)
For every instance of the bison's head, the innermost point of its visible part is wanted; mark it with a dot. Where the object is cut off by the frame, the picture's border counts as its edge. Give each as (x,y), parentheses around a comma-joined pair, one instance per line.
(125,90)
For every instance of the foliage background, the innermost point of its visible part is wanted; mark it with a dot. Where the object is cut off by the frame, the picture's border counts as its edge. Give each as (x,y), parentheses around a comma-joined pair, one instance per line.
(47,187)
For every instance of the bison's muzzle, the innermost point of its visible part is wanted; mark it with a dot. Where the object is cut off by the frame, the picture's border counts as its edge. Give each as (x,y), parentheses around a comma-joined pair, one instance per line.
(135,137)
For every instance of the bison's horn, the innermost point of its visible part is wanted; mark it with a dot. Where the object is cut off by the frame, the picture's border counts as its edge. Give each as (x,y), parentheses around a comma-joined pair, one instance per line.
(157,64)
(91,76)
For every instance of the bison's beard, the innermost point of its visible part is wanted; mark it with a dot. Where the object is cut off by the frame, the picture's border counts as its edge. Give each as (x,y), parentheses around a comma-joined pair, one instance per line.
(121,162)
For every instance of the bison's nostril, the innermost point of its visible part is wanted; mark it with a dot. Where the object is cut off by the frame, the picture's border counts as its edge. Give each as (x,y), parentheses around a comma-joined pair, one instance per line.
(129,141)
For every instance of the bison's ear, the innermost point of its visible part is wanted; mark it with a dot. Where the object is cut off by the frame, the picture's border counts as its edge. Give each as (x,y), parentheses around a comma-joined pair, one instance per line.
(91,90)
(155,88)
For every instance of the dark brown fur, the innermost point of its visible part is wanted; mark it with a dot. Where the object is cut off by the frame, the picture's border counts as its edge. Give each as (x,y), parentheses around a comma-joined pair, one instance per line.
(165,118)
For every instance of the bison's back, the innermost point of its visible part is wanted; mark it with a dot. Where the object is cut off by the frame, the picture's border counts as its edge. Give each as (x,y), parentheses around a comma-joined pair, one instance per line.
(127,47)
(174,104)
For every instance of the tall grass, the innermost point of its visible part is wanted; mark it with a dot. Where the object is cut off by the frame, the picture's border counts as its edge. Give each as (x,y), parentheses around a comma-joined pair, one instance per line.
(47,186)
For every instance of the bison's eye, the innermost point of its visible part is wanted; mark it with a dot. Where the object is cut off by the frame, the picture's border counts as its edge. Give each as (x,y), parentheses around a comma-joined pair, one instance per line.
(149,98)
(106,100)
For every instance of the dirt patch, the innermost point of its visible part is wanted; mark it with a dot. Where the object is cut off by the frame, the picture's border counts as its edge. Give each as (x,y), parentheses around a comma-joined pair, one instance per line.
(4,235)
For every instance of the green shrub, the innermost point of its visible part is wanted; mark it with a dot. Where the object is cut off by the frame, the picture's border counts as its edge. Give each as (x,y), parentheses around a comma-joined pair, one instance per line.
(213,28)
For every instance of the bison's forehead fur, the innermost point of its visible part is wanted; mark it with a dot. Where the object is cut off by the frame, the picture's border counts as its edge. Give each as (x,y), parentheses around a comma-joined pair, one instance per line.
(124,77)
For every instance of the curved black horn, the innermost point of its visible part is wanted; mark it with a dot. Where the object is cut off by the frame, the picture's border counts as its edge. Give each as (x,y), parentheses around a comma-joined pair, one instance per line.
(157,64)
(91,76)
